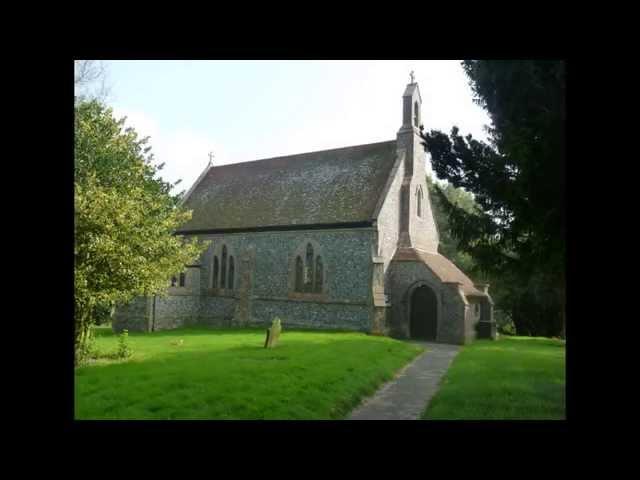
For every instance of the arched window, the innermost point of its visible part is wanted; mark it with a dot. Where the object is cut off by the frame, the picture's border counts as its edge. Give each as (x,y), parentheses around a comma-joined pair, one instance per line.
(318,283)
(416,114)
(231,272)
(224,272)
(223,268)
(308,271)
(299,273)
(419,201)
(182,279)
(216,270)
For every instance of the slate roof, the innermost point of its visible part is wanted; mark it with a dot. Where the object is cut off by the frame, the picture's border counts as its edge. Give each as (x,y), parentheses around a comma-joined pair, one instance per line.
(442,267)
(342,185)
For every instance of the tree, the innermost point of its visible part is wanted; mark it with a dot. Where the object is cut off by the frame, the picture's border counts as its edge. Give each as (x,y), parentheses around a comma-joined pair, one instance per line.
(527,304)
(90,80)
(125,218)
(502,290)
(448,244)
(517,178)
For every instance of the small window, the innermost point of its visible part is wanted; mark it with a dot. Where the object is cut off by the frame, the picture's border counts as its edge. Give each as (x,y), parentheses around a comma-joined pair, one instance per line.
(223,268)
(416,114)
(182,279)
(216,270)
(299,273)
(419,201)
(308,272)
(174,281)
(231,272)
(318,284)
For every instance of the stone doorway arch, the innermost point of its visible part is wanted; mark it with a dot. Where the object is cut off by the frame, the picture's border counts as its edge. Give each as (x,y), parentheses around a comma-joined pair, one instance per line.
(423,313)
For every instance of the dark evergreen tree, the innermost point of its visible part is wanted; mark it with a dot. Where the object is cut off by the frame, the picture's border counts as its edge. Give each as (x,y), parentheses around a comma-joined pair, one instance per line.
(518,180)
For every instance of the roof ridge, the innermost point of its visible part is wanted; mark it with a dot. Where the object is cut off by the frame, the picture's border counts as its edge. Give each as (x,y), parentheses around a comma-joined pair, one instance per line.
(303,153)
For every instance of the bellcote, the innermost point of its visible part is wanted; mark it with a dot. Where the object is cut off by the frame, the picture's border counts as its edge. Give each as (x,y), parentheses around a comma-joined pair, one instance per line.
(411,106)
(416,227)
(408,137)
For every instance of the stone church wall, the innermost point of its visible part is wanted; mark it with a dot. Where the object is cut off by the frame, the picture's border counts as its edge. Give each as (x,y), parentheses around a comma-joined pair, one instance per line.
(474,313)
(216,311)
(345,253)
(388,220)
(424,231)
(298,314)
(135,316)
(455,315)
(175,311)
(345,302)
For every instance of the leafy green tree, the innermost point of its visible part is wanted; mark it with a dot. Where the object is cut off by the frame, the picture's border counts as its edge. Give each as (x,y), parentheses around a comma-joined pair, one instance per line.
(517,179)
(448,245)
(125,217)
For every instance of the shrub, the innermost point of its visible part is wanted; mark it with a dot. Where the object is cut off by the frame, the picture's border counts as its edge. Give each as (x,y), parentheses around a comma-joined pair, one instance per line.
(504,322)
(124,351)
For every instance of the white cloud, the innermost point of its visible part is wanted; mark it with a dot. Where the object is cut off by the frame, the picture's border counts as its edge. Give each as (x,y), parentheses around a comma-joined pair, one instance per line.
(141,122)
(184,152)
(365,106)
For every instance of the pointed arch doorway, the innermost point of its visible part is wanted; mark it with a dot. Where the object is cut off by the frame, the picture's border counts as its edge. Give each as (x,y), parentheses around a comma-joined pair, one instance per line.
(423,319)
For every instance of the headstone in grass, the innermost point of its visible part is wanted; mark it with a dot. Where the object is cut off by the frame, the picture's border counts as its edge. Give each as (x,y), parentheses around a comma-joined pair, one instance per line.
(273,334)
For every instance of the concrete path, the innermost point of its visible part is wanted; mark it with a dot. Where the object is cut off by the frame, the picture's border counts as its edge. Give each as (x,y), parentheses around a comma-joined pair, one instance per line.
(407,395)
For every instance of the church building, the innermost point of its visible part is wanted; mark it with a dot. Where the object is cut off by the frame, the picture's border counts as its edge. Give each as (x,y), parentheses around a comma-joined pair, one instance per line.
(334,239)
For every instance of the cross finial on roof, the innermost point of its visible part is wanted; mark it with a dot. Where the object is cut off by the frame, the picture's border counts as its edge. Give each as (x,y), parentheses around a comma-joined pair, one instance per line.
(412,78)
(211,158)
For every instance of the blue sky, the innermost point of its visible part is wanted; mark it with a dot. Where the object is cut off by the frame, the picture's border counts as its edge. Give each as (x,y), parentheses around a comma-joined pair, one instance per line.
(248,110)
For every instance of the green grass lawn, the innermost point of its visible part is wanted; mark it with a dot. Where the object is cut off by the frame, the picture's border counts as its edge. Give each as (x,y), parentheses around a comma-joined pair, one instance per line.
(227,374)
(511,378)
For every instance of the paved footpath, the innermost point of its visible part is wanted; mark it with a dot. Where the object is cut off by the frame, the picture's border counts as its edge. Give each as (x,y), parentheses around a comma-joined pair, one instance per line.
(407,395)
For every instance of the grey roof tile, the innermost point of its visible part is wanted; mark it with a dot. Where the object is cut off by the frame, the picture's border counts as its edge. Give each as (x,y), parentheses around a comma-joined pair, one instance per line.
(330,186)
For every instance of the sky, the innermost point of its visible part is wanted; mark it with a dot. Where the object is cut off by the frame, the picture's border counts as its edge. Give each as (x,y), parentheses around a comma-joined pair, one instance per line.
(250,110)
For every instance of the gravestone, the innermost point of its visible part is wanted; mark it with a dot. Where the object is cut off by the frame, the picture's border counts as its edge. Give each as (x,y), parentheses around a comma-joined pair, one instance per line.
(273,334)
